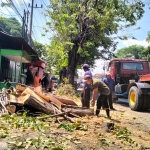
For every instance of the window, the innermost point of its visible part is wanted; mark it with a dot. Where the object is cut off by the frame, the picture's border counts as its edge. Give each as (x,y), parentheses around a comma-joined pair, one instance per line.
(132,66)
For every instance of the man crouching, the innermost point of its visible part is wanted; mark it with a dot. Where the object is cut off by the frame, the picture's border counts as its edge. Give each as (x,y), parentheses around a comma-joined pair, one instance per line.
(99,87)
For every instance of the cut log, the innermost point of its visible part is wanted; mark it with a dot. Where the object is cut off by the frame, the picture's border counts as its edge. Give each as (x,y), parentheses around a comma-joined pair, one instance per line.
(33,94)
(23,98)
(65,100)
(38,89)
(11,108)
(20,87)
(49,97)
(43,96)
(18,100)
(44,107)
(80,111)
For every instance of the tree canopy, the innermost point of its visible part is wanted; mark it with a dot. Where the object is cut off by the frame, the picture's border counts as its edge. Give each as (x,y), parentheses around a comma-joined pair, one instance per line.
(81,26)
(134,51)
(11,26)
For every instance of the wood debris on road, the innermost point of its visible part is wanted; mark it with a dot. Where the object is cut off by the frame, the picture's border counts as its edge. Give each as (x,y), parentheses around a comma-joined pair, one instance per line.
(47,103)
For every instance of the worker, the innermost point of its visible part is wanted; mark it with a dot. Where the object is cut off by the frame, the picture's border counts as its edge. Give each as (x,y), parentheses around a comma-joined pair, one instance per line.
(99,87)
(45,82)
(30,77)
(109,81)
(50,82)
(37,80)
(85,94)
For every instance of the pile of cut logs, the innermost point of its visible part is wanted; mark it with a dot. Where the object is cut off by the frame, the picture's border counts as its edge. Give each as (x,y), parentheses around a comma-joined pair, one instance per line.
(48,103)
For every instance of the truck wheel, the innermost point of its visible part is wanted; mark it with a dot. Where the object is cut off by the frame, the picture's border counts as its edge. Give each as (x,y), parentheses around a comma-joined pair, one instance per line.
(135,100)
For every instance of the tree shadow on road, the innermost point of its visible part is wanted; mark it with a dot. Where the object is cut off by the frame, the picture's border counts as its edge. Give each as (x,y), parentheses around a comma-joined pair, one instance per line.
(125,104)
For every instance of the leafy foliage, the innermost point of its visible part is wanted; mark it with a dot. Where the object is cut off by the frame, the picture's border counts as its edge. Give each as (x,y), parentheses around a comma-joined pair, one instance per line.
(11,26)
(56,56)
(83,26)
(104,140)
(67,90)
(25,122)
(40,49)
(18,130)
(123,134)
(134,51)
(74,126)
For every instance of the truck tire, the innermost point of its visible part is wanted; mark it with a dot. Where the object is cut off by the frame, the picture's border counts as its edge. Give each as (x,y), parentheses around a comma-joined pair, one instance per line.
(135,99)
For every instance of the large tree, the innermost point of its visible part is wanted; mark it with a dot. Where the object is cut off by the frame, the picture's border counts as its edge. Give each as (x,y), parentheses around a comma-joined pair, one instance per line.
(134,51)
(84,25)
(11,26)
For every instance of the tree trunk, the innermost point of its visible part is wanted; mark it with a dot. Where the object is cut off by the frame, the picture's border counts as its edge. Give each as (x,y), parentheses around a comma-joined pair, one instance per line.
(72,62)
(66,101)
(80,111)
(43,107)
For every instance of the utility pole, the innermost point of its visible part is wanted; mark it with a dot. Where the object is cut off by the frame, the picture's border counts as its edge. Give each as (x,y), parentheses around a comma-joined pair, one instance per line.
(25,25)
(26,31)
(31,20)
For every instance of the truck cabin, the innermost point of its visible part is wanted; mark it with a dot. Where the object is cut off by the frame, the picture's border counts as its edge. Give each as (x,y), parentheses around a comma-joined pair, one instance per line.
(123,70)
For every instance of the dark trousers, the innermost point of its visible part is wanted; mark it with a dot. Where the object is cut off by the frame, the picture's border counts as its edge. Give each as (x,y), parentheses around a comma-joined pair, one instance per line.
(85,98)
(50,90)
(102,102)
(110,101)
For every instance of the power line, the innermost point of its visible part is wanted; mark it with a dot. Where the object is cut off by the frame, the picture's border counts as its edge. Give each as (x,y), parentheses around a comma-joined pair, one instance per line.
(38,27)
(25,4)
(16,4)
(40,16)
(44,3)
(31,19)
(6,14)
(14,8)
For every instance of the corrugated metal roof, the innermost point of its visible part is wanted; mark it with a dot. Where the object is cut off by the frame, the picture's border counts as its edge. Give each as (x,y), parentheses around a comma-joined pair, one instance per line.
(16,43)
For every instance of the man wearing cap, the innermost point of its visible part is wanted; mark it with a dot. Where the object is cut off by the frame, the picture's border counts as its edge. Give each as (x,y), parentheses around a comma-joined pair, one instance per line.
(85,95)
(109,81)
(99,86)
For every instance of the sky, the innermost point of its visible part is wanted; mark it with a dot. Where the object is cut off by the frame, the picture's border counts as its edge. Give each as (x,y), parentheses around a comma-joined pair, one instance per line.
(140,35)
(39,19)
(39,22)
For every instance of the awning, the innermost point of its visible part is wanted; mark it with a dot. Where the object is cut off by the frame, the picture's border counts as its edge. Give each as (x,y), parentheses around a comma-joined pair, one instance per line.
(17,43)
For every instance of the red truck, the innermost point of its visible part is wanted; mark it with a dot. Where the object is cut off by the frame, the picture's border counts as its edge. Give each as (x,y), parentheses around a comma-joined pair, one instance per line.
(132,80)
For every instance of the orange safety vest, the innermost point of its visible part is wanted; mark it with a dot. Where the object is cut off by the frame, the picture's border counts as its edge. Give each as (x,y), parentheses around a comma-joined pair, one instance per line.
(36,81)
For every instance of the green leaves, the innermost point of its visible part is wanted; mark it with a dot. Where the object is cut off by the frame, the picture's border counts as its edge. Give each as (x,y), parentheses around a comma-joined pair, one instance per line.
(81,27)
(134,51)
(123,134)
(74,126)
(67,127)
(11,26)
(24,132)
(25,122)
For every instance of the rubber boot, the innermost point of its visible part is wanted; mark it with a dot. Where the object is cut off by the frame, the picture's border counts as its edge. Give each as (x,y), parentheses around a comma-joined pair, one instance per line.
(97,112)
(82,99)
(108,113)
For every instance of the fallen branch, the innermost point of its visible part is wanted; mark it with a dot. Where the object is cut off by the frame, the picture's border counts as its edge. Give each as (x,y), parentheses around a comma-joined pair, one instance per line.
(69,119)
(74,115)
(80,111)
(56,115)
(60,114)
